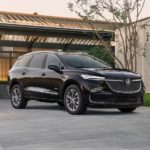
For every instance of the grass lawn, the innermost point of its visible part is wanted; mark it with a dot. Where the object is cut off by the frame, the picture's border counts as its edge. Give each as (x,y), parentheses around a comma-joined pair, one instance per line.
(147,99)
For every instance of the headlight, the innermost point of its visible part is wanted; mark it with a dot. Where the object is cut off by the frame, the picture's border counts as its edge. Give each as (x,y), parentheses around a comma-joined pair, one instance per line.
(90,77)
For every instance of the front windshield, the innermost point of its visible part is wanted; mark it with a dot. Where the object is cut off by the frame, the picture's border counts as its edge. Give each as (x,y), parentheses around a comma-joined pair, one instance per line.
(83,61)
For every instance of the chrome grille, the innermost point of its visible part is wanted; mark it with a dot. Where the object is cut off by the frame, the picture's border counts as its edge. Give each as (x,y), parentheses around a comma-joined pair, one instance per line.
(121,86)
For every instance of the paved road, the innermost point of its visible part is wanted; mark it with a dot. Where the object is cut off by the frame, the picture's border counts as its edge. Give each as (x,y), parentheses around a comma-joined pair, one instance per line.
(48,127)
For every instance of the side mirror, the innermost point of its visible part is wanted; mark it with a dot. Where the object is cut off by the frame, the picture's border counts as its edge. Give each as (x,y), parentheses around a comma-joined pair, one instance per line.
(55,68)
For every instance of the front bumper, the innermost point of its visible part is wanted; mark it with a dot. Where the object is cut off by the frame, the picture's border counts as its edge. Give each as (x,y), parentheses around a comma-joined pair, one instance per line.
(110,100)
(108,97)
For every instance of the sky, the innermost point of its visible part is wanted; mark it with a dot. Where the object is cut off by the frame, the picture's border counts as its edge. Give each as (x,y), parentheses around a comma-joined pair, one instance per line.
(49,7)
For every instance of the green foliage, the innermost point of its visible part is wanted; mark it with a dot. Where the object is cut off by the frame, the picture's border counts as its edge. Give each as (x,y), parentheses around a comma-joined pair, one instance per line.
(147,99)
(101,54)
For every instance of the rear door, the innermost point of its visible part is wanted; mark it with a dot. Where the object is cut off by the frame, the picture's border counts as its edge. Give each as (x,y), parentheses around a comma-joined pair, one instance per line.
(34,82)
(20,71)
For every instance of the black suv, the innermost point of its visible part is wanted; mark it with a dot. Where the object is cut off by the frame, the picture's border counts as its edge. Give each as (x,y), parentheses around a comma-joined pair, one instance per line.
(73,80)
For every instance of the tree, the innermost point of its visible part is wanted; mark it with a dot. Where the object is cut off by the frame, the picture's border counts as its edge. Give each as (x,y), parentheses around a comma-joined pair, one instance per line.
(125,15)
(101,53)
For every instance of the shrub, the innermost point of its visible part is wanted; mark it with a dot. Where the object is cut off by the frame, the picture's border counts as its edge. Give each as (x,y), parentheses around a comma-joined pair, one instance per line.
(147,99)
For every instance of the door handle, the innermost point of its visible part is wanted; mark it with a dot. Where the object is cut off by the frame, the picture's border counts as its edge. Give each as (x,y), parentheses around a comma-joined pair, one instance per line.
(43,74)
(23,73)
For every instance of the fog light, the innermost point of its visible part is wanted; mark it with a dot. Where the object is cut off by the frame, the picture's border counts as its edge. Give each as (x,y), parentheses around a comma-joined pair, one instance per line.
(97,89)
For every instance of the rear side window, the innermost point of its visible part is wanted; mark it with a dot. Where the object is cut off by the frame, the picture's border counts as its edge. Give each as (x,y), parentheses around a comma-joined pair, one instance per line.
(23,61)
(37,60)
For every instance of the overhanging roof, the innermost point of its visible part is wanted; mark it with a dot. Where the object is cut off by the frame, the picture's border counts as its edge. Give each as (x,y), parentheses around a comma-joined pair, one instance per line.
(32,30)
(51,21)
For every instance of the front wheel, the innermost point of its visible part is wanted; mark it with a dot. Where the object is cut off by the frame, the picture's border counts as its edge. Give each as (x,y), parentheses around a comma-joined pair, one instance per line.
(17,99)
(73,100)
(126,110)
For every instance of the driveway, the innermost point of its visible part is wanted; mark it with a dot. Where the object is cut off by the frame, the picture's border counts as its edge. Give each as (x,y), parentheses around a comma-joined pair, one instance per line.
(43,126)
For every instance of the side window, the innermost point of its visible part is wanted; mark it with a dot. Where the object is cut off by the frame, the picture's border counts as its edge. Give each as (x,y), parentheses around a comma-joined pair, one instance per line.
(23,61)
(37,60)
(52,60)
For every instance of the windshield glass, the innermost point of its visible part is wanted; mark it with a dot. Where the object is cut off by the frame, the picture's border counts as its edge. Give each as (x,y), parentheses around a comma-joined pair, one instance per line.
(83,61)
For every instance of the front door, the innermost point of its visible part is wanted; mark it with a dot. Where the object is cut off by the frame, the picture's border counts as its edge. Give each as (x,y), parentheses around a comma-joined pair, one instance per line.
(51,80)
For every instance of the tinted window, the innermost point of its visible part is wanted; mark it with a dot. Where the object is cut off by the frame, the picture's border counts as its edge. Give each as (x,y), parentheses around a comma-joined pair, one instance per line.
(83,61)
(37,61)
(23,61)
(52,60)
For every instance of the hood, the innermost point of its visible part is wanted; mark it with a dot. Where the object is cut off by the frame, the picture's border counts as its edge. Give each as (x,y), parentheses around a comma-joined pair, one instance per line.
(114,73)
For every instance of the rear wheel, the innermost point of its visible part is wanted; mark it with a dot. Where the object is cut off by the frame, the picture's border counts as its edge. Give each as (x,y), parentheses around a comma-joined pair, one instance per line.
(73,100)
(126,110)
(17,99)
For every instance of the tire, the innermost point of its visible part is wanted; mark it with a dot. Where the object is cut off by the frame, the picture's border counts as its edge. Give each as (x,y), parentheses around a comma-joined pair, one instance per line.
(17,99)
(61,104)
(126,110)
(73,100)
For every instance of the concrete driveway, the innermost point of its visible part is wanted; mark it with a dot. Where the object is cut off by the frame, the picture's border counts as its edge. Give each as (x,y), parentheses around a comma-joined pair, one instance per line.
(43,126)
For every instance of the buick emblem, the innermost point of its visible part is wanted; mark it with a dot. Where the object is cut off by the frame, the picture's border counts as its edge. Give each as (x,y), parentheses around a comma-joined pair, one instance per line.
(128,81)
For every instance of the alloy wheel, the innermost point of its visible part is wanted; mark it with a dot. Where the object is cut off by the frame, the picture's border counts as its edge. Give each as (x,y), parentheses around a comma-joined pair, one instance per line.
(72,99)
(18,101)
(16,96)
